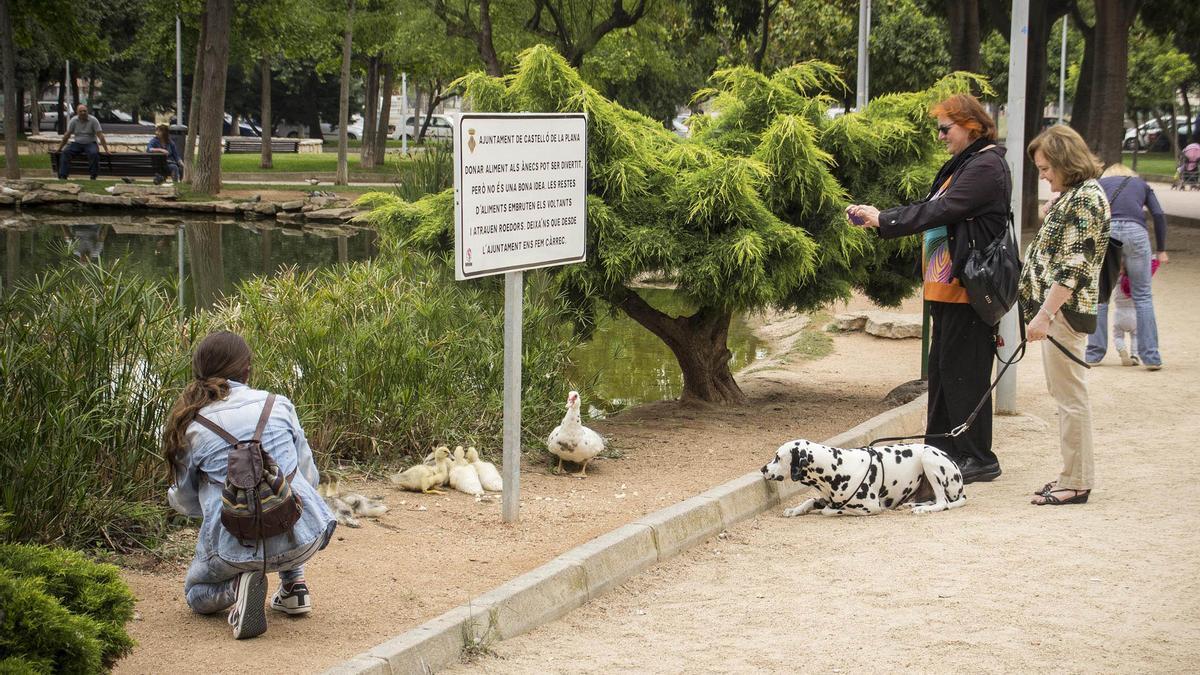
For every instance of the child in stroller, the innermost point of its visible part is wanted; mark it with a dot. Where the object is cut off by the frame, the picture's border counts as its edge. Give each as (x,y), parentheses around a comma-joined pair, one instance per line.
(1188,175)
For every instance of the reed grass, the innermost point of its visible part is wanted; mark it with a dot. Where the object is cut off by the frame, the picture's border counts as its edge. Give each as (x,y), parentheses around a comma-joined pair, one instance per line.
(85,355)
(389,358)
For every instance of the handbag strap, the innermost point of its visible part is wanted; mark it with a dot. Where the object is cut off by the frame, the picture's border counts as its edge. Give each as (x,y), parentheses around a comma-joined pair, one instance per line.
(1119,188)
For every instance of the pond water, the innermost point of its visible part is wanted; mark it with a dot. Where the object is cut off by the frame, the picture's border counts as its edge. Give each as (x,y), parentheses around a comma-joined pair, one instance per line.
(625,364)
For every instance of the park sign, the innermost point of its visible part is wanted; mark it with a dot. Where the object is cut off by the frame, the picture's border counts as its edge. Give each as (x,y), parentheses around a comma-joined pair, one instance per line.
(520,192)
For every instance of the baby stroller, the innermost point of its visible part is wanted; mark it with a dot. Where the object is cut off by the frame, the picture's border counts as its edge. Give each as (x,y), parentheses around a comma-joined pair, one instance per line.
(1188,175)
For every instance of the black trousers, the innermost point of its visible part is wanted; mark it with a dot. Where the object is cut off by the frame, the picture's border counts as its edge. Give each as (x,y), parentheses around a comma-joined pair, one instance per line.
(961,358)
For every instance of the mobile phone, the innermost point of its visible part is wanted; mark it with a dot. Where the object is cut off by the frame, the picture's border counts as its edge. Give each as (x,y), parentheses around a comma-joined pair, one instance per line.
(854,218)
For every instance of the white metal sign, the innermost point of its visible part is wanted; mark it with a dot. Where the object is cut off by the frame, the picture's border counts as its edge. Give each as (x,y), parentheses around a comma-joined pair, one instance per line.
(520,187)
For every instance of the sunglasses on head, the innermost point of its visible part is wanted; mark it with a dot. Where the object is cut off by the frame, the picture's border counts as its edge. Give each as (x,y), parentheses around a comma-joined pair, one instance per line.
(944,128)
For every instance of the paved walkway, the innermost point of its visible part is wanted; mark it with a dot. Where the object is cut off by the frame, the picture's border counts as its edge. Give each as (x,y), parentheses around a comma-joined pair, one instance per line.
(997,586)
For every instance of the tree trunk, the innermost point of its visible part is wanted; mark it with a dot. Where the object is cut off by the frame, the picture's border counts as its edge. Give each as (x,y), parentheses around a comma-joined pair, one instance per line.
(207,176)
(75,100)
(265,65)
(12,113)
(1172,131)
(193,129)
(207,260)
(1081,107)
(1041,19)
(699,343)
(61,125)
(416,115)
(760,54)
(487,49)
(963,16)
(343,169)
(20,107)
(1187,112)
(1113,20)
(385,115)
(366,150)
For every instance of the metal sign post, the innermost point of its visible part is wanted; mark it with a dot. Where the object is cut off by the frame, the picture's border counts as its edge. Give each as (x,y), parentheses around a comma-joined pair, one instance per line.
(520,202)
(1006,389)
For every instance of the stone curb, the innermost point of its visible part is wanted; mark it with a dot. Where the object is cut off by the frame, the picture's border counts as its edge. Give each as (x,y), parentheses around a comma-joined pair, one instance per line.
(589,570)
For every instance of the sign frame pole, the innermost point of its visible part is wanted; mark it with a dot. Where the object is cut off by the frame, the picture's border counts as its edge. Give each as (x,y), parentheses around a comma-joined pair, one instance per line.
(513,311)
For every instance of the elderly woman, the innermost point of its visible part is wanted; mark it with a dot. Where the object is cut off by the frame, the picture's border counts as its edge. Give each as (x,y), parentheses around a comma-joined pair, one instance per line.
(162,143)
(968,201)
(1059,292)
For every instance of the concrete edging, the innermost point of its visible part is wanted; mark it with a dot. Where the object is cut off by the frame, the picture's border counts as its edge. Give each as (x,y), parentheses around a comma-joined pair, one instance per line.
(591,569)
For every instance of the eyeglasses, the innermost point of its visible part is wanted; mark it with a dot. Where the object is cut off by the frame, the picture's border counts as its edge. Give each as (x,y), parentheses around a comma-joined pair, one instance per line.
(944,129)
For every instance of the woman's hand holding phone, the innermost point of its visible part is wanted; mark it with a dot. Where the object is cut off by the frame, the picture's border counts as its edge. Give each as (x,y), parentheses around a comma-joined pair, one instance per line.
(863,215)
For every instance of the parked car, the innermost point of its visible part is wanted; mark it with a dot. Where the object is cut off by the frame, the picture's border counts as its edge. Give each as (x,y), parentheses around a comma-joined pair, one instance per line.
(1140,137)
(354,130)
(49,115)
(244,128)
(679,124)
(117,122)
(1156,141)
(441,128)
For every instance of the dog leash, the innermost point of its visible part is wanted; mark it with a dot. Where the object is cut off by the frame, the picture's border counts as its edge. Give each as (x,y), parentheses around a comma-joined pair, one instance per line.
(1017,356)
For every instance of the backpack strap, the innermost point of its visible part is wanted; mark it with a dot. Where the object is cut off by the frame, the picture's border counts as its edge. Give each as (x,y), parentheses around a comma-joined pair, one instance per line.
(262,419)
(216,429)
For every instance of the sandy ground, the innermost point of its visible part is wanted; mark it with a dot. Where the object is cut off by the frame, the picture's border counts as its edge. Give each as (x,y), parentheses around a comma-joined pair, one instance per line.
(999,585)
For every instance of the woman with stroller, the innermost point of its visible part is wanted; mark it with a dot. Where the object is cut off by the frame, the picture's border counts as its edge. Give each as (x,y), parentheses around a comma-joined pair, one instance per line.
(1128,197)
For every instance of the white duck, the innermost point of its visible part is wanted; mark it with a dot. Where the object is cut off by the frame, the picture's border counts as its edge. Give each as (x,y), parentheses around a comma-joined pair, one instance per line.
(463,476)
(572,441)
(489,477)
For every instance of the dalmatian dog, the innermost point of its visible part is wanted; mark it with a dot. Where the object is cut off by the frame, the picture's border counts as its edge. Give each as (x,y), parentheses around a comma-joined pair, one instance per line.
(866,481)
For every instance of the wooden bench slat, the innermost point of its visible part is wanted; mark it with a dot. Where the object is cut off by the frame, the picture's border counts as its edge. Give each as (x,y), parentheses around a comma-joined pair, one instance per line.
(249,145)
(141,164)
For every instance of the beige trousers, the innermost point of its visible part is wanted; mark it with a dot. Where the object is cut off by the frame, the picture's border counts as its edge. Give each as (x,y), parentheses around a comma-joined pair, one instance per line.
(1067,383)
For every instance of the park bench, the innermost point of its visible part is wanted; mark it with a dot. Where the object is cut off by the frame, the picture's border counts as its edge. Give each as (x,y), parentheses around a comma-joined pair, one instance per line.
(128,164)
(245,145)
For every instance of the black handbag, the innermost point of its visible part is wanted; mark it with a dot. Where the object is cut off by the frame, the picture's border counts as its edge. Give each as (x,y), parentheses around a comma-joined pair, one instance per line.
(1110,269)
(990,276)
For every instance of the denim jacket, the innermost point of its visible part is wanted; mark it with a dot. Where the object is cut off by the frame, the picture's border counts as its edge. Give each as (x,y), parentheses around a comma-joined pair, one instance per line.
(197,491)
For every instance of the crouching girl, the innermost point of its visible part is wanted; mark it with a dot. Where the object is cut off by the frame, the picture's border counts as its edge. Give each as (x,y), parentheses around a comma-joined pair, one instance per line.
(228,572)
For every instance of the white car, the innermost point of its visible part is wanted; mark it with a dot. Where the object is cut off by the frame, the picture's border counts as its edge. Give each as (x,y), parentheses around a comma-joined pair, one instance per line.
(354,130)
(1146,133)
(441,128)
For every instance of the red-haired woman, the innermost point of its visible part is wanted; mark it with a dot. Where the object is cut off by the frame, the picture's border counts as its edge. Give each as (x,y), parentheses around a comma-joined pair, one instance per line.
(968,201)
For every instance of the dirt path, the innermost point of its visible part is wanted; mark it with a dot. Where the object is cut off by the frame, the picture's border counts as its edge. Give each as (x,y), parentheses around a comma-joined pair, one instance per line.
(998,586)
(432,553)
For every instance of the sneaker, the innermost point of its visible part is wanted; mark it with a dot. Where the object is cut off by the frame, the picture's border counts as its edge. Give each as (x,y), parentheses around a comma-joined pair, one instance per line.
(292,599)
(1154,366)
(1125,359)
(248,616)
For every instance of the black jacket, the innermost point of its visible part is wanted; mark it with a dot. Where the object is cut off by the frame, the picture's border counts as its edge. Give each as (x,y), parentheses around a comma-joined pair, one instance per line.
(974,207)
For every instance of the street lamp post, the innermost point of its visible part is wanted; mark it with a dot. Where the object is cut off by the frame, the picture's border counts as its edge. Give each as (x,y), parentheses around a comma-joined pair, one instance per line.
(864,58)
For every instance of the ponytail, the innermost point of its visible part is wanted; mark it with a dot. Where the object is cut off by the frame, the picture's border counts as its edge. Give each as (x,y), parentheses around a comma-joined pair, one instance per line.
(197,394)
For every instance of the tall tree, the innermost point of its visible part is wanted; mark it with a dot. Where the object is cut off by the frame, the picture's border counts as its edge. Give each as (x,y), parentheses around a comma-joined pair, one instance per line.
(577,27)
(265,160)
(193,125)
(461,22)
(12,113)
(1099,107)
(206,174)
(748,213)
(343,170)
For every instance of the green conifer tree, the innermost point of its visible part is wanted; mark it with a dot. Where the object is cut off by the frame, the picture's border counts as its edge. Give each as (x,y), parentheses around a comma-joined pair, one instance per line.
(746,214)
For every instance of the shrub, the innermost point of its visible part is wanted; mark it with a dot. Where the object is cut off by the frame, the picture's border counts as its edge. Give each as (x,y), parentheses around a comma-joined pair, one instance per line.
(388,358)
(60,612)
(426,172)
(84,353)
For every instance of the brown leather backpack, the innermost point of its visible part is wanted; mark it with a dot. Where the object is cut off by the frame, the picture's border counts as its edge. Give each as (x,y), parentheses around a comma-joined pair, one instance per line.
(257,500)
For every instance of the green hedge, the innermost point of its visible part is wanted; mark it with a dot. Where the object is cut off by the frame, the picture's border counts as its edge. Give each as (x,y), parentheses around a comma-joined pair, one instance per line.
(60,612)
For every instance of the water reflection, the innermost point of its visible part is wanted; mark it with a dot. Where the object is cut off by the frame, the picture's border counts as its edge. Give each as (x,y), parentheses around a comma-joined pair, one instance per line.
(204,257)
(629,365)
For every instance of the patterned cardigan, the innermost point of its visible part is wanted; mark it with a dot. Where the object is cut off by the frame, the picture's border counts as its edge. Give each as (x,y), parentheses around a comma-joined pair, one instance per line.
(1069,250)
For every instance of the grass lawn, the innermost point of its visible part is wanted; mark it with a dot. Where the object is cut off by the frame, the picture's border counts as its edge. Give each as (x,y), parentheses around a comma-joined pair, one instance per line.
(1159,163)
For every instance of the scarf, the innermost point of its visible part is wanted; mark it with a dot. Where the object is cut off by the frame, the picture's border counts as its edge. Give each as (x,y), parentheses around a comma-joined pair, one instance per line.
(936,263)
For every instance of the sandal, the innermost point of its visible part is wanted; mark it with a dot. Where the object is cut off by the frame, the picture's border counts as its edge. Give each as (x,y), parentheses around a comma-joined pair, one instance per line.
(1048,487)
(1080,497)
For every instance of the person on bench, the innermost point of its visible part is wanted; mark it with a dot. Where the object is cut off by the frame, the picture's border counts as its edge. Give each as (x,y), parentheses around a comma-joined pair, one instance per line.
(162,143)
(86,129)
